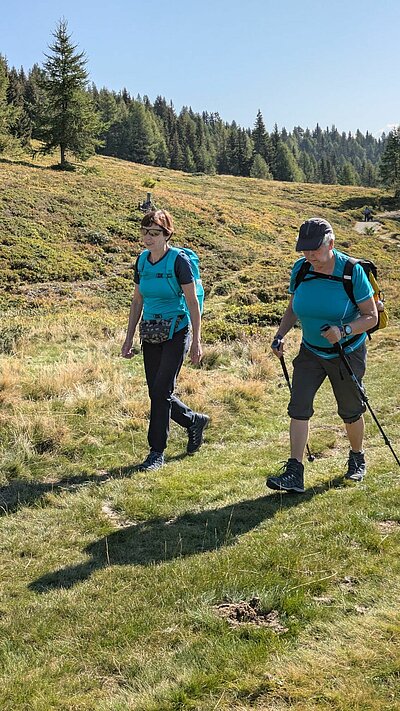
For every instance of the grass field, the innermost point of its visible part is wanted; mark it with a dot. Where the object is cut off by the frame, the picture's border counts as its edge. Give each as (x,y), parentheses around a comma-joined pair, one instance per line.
(192,587)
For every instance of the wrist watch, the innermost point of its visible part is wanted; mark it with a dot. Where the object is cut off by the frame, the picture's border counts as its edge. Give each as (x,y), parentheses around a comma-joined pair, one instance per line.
(346,330)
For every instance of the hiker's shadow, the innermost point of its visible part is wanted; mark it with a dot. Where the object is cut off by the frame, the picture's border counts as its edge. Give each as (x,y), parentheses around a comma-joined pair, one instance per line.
(24,492)
(159,540)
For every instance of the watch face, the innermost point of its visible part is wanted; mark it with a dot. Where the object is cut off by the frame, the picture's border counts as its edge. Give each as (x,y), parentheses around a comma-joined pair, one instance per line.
(347,330)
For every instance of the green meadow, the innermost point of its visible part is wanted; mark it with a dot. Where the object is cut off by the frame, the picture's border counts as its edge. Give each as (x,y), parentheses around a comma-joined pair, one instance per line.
(192,587)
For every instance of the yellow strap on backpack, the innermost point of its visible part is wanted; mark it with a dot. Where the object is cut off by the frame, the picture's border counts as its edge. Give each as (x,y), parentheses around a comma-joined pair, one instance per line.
(383,318)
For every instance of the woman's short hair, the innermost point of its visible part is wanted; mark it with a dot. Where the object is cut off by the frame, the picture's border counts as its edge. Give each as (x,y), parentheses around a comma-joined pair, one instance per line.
(327,238)
(162,218)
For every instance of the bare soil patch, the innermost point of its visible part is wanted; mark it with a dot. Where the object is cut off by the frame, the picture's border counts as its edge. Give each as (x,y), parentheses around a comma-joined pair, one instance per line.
(389,526)
(250,613)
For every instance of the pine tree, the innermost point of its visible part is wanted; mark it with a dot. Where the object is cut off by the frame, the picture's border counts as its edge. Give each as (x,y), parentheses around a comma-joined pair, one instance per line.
(326,171)
(8,113)
(138,142)
(347,175)
(177,157)
(244,152)
(286,166)
(20,125)
(308,165)
(259,168)
(68,120)
(260,138)
(369,174)
(275,142)
(34,98)
(390,163)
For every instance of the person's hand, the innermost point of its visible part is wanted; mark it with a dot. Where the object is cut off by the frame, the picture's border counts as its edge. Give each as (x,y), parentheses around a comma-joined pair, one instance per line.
(126,350)
(331,333)
(277,345)
(196,352)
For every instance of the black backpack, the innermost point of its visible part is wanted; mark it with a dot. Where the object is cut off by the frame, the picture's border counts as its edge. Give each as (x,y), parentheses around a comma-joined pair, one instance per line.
(371,271)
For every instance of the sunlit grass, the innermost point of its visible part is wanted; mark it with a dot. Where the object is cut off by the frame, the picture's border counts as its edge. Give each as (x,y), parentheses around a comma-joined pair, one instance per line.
(110,577)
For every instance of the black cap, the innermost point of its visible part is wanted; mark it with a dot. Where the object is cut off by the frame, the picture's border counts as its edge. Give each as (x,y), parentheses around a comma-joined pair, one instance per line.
(311,234)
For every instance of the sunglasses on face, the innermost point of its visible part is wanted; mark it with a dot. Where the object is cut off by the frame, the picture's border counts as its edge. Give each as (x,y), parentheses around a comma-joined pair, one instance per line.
(151,231)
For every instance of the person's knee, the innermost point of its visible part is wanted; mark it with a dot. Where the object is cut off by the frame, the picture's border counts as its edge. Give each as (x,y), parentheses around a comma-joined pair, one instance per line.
(158,395)
(300,412)
(351,418)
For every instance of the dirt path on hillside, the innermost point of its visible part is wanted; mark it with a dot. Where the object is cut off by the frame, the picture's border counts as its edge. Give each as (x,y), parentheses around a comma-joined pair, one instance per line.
(378,229)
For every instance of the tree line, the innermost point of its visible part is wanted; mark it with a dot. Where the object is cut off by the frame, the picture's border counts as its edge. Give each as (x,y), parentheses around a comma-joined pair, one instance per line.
(56,105)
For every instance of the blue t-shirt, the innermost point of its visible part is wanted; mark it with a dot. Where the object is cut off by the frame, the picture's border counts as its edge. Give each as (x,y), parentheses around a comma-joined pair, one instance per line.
(160,299)
(317,302)
(183,268)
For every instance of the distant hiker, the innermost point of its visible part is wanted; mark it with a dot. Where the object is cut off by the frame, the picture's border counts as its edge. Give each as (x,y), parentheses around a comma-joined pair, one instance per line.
(166,293)
(327,316)
(367,214)
(147,204)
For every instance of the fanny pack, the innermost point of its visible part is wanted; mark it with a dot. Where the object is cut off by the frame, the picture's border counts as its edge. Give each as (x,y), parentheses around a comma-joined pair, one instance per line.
(158,330)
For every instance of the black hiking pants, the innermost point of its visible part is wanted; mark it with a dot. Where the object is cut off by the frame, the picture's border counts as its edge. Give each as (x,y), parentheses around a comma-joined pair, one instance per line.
(162,363)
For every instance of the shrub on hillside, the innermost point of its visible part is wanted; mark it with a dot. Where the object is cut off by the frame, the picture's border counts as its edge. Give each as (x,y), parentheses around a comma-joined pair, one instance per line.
(9,338)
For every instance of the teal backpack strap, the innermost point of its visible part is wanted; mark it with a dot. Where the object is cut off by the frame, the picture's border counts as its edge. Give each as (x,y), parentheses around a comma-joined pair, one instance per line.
(172,281)
(170,271)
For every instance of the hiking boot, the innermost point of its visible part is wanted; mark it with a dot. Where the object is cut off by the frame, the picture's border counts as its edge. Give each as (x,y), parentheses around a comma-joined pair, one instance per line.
(291,479)
(154,460)
(195,433)
(356,467)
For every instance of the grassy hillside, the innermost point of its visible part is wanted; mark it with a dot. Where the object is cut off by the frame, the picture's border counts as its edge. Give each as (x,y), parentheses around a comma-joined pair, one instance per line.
(192,587)
(81,229)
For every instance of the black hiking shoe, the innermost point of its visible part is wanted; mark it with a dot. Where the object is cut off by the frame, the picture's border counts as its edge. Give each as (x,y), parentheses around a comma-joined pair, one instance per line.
(195,433)
(356,467)
(154,460)
(291,479)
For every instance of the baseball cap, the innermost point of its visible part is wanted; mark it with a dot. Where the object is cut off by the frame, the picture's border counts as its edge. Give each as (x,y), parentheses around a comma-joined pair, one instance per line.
(311,234)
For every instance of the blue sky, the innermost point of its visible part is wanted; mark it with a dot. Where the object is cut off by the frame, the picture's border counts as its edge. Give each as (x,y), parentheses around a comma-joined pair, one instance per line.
(300,62)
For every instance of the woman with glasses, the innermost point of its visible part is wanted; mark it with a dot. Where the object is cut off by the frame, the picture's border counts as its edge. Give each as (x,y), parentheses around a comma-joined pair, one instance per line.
(164,313)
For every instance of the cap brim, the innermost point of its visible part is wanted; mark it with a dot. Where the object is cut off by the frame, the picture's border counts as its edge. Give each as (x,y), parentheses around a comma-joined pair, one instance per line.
(304,245)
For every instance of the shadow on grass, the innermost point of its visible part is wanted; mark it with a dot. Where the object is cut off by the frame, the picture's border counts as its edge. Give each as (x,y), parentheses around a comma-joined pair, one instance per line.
(24,492)
(26,163)
(377,202)
(159,540)
(355,203)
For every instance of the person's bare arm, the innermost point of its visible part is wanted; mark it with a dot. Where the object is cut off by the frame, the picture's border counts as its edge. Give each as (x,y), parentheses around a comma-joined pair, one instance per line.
(289,319)
(134,317)
(196,351)
(368,319)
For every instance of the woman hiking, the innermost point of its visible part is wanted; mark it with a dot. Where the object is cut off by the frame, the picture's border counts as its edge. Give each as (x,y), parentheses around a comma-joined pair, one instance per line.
(166,297)
(327,317)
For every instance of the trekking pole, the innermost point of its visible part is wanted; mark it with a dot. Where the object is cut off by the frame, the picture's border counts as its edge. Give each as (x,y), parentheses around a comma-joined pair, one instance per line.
(363,395)
(310,456)
(365,400)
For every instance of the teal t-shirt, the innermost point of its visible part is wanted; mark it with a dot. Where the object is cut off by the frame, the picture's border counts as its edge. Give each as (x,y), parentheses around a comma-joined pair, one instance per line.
(317,302)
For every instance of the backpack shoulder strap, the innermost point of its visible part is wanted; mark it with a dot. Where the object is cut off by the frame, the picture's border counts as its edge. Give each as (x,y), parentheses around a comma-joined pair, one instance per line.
(142,261)
(170,270)
(348,278)
(302,273)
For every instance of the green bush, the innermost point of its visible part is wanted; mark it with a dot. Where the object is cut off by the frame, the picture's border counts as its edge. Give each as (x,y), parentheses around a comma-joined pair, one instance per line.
(10,337)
